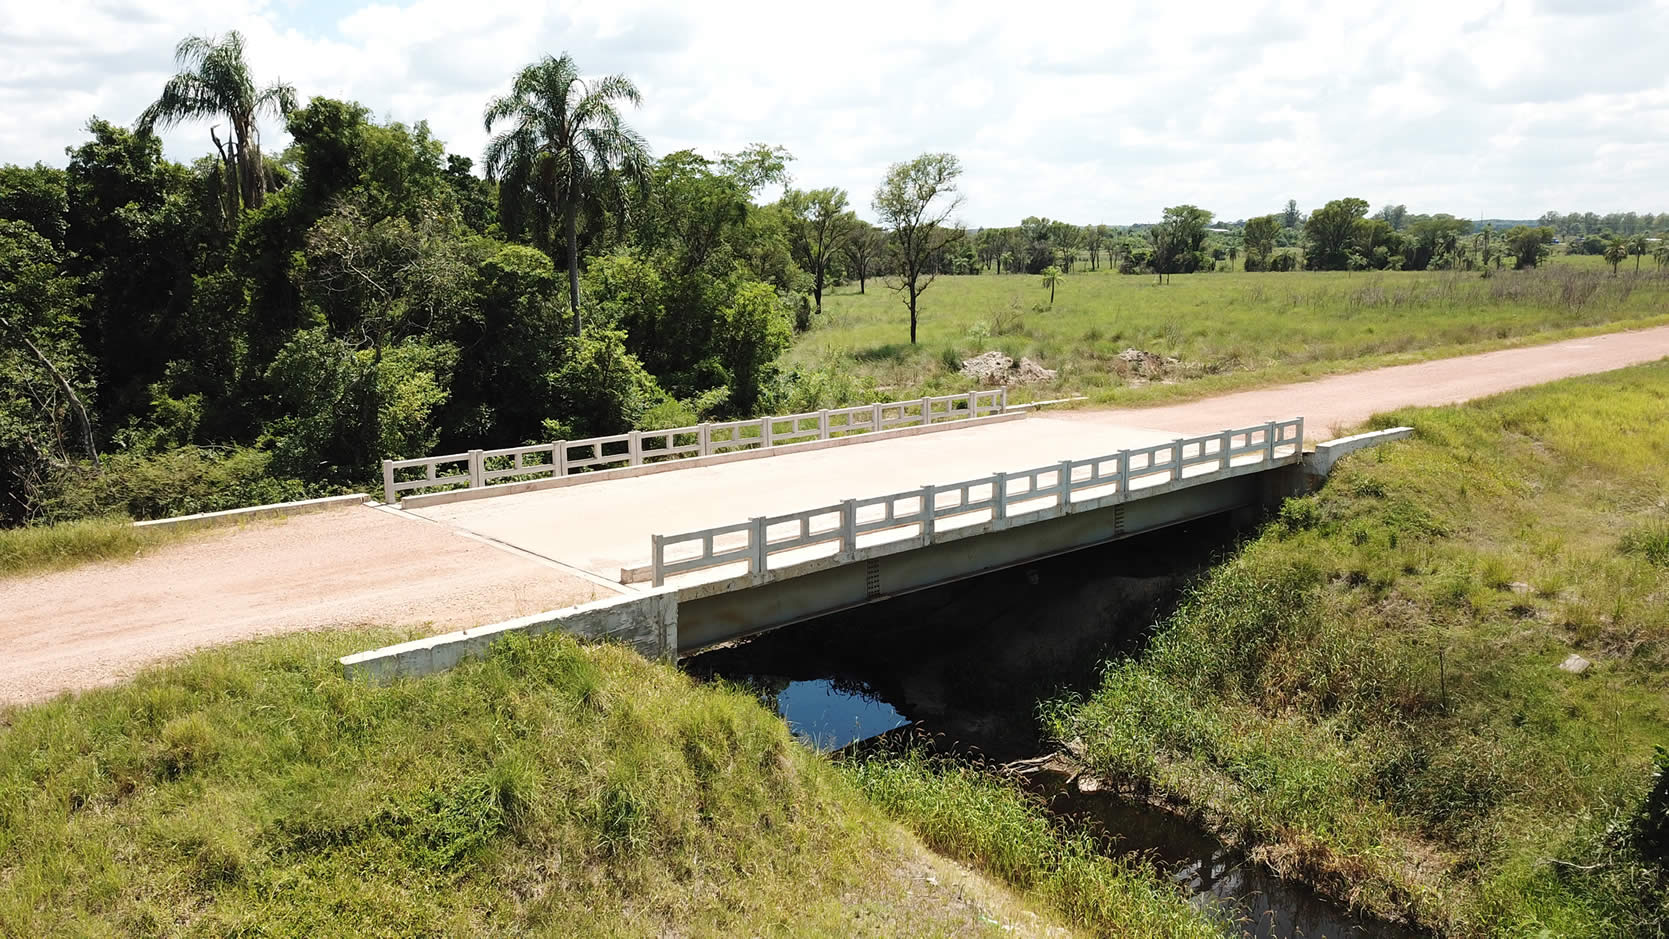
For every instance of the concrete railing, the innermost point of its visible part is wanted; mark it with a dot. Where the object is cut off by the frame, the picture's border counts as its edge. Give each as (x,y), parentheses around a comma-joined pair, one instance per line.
(1004,498)
(479,468)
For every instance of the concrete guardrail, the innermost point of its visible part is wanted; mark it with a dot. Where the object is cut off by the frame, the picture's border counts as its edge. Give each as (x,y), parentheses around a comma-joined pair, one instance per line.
(482,468)
(1001,497)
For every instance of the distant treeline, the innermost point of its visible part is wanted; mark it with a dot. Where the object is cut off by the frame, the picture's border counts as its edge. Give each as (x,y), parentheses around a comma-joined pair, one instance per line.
(1340,235)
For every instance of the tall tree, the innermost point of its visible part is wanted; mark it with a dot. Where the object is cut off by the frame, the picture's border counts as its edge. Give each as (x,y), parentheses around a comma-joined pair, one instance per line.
(1289,216)
(1528,245)
(862,247)
(1094,237)
(1616,252)
(1637,246)
(1051,278)
(214,81)
(915,201)
(566,144)
(822,221)
(1331,233)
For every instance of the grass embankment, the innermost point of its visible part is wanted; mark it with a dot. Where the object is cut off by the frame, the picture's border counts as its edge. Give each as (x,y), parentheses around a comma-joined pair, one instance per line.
(552,789)
(1226,331)
(988,823)
(1370,691)
(38,548)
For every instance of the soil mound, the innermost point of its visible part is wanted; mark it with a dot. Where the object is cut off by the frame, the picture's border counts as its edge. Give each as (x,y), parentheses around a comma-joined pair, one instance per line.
(994,368)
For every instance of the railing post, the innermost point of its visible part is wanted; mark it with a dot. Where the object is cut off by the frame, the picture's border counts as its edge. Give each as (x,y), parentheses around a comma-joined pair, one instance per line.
(875,417)
(387,482)
(1002,399)
(849,528)
(1269,441)
(1124,472)
(475,469)
(634,448)
(704,435)
(823,424)
(973,404)
(999,498)
(765,432)
(1064,482)
(756,563)
(559,457)
(1176,462)
(657,552)
(926,411)
(1224,447)
(927,513)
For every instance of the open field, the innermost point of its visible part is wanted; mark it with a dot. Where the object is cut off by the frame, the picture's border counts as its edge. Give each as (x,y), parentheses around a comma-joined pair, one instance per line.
(1370,692)
(1225,331)
(553,789)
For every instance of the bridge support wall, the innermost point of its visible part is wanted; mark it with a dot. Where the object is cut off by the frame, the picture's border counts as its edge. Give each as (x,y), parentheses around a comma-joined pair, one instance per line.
(646,622)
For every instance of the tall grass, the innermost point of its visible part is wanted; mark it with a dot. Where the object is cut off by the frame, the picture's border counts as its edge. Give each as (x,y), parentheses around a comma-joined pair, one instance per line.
(48,547)
(1370,693)
(1227,331)
(968,815)
(553,789)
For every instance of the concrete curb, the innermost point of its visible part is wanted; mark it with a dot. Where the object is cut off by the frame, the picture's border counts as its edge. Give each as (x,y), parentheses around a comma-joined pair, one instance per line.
(1320,461)
(1035,405)
(627,472)
(236,516)
(647,622)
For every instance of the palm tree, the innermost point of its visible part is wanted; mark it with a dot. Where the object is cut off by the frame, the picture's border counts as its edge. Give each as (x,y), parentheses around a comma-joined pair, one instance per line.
(1660,254)
(214,81)
(1051,277)
(1637,246)
(566,144)
(1615,254)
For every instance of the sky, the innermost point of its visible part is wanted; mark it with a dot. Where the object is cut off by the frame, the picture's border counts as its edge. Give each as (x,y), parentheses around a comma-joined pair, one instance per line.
(1094,112)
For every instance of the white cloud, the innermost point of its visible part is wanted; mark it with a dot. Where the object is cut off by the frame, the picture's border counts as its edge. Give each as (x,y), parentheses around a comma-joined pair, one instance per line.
(1092,112)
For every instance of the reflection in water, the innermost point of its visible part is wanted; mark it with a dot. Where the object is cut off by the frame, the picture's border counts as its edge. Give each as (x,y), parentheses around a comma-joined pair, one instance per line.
(829,717)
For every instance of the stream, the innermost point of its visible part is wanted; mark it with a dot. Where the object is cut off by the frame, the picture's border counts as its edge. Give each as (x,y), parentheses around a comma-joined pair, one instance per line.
(963,666)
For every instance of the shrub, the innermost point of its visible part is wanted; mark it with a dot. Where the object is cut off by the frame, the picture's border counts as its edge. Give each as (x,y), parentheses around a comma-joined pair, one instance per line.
(178,482)
(1650,829)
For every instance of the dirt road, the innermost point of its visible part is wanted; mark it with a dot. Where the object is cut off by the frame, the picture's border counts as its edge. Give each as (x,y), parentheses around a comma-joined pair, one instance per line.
(96,623)
(347,567)
(1343,401)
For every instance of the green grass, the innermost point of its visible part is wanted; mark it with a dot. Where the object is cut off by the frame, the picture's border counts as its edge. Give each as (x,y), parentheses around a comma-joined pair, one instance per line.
(1368,693)
(553,789)
(986,822)
(1227,331)
(39,548)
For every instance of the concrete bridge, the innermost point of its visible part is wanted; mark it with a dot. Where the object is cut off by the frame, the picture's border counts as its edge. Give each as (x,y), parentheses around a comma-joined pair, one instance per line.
(711,552)
(458,564)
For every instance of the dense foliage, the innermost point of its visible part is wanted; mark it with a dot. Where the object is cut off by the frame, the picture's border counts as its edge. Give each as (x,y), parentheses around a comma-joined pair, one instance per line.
(250,327)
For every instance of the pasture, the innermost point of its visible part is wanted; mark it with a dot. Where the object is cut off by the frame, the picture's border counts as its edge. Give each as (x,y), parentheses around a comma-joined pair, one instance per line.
(1225,331)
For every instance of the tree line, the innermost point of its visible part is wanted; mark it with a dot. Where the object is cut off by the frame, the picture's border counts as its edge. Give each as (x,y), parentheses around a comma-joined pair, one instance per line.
(253,327)
(1340,235)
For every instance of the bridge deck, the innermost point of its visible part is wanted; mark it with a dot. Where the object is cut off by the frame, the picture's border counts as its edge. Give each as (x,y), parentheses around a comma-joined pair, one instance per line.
(605,528)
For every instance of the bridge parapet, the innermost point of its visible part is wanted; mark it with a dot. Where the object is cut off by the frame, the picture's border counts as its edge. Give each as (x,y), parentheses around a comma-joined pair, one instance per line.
(999,501)
(477,469)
